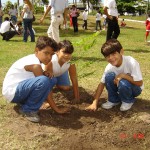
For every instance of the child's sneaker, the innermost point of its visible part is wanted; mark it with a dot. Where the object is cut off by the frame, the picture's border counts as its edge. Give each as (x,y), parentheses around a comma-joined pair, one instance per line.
(31,116)
(125,106)
(109,105)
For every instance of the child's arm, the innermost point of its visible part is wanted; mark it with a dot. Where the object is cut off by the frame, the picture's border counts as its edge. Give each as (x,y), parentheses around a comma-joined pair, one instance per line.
(98,93)
(74,80)
(127,77)
(45,14)
(36,69)
(54,107)
(49,70)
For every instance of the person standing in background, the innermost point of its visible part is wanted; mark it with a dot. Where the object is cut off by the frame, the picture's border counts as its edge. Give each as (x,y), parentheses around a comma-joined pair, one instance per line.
(110,10)
(85,16)
(74,15)
(27,15)
(13,14)
(1,16)
(98,20)
(147,27)
(58,16)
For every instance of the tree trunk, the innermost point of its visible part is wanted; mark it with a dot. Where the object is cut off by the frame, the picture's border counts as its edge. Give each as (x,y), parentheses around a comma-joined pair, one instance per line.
(18,8)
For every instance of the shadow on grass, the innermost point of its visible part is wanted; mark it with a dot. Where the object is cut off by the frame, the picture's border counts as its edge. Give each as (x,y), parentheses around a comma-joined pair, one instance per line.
(138,51)
(92,59)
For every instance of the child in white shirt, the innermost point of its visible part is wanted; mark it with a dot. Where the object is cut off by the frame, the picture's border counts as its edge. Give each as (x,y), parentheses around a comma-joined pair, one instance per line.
(85,16)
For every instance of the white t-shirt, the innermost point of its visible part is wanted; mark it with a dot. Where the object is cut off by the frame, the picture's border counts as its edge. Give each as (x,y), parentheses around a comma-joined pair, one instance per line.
(129,65)
(112,7)
(5,26)
(98,17)
(85,15)
(16,74)
(57,69)
(13,12)
(28,13)
(58,6)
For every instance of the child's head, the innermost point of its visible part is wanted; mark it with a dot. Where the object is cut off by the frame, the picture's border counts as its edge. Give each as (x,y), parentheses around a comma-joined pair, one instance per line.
(45,48)
(67,46)
(44,41)
(6,18)
(111,46)
(19,23)
(65,51)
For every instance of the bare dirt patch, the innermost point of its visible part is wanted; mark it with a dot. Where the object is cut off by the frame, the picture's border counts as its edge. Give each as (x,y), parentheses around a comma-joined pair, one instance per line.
(78,130)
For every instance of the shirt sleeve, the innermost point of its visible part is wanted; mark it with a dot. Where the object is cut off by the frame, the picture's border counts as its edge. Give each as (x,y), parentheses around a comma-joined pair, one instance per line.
(136,71)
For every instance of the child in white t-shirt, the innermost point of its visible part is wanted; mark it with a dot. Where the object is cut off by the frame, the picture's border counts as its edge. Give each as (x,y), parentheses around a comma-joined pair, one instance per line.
(60,66)
(85,16)
(122,78)
(25,83)
(98,20)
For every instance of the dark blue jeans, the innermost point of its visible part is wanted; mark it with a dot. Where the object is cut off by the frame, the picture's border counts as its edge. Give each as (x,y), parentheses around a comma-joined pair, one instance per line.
(75,24)
(98,24)
(28,26)
(125,92)
(31,93)
(113,29)
(0,20)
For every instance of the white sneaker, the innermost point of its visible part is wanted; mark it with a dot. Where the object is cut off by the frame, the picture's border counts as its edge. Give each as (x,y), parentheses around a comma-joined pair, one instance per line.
(109,105)
(125,106)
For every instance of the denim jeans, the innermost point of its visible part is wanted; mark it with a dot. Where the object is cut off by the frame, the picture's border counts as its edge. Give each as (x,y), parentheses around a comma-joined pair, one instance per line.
(98,24)
(0,20)
(27,23)
(125,91)
(14,19)
(113,29)
(63,80)
(31,93)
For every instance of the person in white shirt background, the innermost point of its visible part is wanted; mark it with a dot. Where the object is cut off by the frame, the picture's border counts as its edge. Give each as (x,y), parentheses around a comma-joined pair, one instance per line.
(98,20)
(85,16)
(13,14)
(110,10)
(7,30)
(58,16)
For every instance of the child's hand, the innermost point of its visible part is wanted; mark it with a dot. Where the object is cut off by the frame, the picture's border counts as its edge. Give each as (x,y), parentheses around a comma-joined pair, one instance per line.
(92,107)
(48,74)
(63,110)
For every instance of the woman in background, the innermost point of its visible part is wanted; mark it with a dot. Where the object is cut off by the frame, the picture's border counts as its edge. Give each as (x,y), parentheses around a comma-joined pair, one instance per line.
(27,15)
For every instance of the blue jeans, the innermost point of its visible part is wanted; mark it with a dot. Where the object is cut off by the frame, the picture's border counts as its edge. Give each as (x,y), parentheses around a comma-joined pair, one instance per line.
(14,19)
(28,26)
(125,92)
(31,93)
(63,80)
(0,20)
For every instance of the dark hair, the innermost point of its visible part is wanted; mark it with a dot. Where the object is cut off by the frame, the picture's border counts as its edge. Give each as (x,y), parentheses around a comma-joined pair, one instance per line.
(19,23)
(110,47)
(44,41)
(67,45)
(6,18)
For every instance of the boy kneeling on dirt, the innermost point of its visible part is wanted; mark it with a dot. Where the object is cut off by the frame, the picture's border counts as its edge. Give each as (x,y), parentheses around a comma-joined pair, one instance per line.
(122,78)
(59,67)
(26,84)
